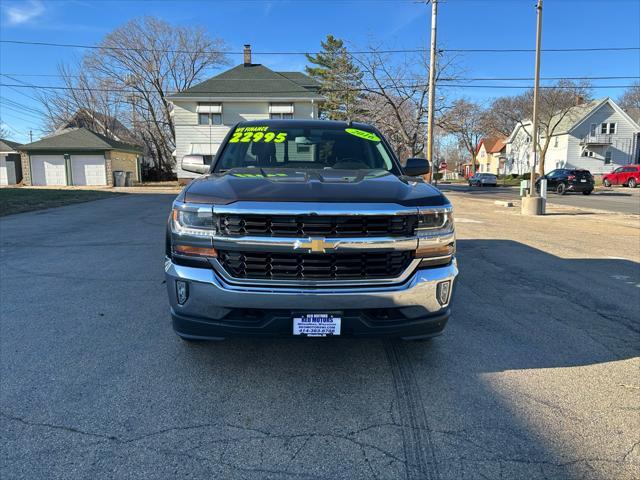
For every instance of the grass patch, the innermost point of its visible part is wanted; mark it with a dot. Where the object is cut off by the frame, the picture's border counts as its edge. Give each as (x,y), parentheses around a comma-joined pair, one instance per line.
(19,200)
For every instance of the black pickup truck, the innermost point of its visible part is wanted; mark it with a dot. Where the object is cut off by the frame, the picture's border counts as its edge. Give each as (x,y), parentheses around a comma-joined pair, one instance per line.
(309,228)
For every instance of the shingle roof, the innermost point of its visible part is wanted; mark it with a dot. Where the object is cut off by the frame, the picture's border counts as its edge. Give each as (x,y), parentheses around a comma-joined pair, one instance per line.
(494,145)
(254,80)
(571,118)
(87,118)
(574,115)
(78,139)
(8,145)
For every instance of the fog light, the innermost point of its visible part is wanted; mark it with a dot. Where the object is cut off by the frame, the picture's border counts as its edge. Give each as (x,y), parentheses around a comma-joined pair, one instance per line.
(182,289)
(442,292)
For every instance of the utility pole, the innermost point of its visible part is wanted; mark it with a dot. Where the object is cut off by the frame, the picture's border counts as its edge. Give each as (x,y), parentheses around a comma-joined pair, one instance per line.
(432,83)
(534,204)
(30,136)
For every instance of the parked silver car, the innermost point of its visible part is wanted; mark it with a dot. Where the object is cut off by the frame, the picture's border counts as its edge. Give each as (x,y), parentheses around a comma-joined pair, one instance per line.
(483,180)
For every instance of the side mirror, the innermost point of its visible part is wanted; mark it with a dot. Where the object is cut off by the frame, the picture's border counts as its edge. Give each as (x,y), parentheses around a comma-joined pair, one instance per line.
(416,167)
(194,163)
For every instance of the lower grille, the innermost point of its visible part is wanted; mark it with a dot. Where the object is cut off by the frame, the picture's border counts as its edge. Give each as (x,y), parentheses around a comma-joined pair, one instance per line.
(302,266)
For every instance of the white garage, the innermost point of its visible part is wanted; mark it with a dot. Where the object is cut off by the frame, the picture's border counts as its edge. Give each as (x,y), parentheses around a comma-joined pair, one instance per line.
(79,157)
(48,170)
(88,170)
(4,179)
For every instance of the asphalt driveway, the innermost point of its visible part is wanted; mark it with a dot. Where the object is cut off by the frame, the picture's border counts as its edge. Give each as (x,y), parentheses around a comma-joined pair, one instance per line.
(94,384)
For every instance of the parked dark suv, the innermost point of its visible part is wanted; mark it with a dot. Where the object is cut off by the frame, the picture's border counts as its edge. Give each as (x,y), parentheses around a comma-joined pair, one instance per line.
(563,180)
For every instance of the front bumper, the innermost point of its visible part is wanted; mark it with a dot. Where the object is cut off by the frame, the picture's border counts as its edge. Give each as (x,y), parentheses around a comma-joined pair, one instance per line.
(216,309)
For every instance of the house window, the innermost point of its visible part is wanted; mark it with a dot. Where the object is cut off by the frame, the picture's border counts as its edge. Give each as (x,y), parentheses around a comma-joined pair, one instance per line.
(594,130)
(281,110)
(280,116)
(607,157)
(209,119)
(609,128)
(302,148)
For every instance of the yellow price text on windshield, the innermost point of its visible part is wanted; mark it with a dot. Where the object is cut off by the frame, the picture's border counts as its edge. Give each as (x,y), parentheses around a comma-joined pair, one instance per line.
(257,134)
(362,134)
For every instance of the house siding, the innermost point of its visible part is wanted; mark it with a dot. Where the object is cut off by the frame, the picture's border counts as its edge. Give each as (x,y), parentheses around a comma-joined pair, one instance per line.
(519,152)
(556,155)
(623,146)
(209,137)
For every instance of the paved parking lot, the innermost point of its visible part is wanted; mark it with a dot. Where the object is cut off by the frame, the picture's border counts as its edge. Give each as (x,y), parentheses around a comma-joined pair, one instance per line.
(535,377)
(615,199)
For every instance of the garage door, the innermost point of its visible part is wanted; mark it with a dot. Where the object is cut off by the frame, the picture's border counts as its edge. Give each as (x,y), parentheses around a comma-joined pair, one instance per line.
(48,170)
(4,180)
(88,170)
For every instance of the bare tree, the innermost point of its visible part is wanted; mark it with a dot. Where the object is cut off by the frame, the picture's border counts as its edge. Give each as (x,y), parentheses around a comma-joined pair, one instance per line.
(395,97)
(149,59)
(555,104)
(497,123)
(96,100)
(135,69)
(466,121)
(630,99)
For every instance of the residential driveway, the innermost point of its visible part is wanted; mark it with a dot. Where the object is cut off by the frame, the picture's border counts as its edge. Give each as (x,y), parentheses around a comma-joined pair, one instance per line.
(535,377)
(616,199)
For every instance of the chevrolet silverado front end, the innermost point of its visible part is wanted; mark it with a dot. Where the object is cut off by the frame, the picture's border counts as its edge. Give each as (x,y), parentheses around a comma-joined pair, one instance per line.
(309,228)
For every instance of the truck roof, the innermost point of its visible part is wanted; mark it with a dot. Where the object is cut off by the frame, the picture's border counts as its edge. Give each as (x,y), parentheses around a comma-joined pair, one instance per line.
(315,123)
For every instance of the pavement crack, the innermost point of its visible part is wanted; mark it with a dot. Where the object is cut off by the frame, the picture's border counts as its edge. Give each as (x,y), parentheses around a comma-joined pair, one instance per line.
(53,426)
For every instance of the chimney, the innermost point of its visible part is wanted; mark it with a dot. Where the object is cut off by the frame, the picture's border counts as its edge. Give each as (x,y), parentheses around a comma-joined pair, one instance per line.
(247,55)
(579,99)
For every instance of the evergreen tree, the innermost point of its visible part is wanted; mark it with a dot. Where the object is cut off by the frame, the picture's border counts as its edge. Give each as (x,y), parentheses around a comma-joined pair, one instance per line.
(339,80)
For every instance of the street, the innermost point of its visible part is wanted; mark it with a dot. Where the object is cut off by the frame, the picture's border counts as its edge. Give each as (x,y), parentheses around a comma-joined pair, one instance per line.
(536,375)
(619,200)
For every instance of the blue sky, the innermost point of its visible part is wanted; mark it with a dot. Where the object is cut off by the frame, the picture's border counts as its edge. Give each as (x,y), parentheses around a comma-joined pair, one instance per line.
(299,25)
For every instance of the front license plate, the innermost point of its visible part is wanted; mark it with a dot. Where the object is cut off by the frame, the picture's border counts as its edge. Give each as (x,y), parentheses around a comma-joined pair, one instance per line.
(583,180)
(316,324)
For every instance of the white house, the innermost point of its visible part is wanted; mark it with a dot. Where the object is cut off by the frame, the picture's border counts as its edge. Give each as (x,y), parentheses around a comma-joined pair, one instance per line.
(598,136)
(204,113)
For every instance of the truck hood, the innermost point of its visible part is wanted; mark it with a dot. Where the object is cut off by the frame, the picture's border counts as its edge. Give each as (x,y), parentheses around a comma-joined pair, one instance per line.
(326,186)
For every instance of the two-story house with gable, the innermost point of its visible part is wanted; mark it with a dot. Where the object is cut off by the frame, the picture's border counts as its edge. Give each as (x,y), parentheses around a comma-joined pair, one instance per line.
(491,155)
(597,136)
(204,113)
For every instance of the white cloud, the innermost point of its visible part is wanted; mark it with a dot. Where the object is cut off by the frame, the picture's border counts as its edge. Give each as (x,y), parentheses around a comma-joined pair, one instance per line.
(22,13)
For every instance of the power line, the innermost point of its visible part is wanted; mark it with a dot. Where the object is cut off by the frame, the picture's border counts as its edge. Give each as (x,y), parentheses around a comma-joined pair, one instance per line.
(452,79)
(284,92)
(355,52)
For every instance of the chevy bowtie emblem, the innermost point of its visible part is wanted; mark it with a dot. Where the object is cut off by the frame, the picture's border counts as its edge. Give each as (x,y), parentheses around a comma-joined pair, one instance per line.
(315,245)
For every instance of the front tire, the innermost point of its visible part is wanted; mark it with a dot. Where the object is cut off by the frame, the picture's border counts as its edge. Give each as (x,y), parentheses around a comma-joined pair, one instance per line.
(587,192)
(632,183)
(561,189)
(606,183)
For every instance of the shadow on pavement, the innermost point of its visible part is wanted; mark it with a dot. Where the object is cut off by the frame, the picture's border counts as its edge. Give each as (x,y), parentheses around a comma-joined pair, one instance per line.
(516,308)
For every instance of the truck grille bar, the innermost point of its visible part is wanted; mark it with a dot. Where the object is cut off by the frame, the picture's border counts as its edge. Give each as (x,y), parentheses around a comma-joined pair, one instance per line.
(314,225)
(296,266)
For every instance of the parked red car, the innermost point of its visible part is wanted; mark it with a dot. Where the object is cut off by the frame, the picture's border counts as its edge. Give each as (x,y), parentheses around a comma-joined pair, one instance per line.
(628,176)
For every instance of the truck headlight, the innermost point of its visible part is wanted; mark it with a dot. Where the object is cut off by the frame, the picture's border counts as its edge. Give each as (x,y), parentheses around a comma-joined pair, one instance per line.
(198,221)
(436,236)
(436,221)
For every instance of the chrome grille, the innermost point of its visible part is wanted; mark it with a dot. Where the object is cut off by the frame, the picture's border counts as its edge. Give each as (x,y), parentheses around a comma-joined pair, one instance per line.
(314,225)
(302,266)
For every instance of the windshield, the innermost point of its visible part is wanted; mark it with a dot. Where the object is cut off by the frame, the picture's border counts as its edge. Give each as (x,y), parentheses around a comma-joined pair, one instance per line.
(331,147)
